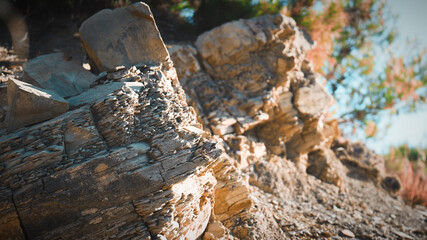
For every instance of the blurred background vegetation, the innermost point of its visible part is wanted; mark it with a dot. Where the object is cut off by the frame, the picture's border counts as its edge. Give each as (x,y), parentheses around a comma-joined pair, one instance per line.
(353,52)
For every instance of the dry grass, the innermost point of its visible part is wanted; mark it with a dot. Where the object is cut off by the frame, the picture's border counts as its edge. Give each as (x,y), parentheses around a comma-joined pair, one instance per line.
(410,166)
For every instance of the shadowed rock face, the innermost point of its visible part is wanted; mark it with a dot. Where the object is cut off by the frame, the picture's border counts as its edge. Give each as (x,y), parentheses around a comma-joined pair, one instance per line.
(52,72)
(28,104)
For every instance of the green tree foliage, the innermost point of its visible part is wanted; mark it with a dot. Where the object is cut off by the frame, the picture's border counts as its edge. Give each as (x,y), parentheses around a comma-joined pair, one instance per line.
(354,53)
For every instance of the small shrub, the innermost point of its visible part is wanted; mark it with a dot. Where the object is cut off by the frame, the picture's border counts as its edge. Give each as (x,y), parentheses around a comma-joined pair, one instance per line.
(409,165)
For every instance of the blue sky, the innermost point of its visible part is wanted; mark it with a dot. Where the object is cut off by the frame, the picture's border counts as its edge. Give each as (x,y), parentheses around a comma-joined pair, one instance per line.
(408,128)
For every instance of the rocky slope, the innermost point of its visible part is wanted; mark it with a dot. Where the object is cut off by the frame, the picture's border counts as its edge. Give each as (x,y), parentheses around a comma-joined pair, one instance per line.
(223,139)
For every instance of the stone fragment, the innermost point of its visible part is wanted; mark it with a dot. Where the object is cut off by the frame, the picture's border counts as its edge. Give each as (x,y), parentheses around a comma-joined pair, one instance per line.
(312,100)
(53,72)
(123,36)
(323,165)
(391,183)
(347,233)
(29,104)
(215,230)
(401,234)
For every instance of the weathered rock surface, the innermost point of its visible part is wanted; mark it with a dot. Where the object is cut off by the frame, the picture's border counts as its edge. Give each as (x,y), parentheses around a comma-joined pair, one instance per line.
(109,163)
(129,161)
(253,158)
(123,36)
(28,104)
(252,87)
(52,72)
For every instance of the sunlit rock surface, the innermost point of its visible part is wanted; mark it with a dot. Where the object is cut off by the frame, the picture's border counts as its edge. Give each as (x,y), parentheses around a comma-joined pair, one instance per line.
(245,152)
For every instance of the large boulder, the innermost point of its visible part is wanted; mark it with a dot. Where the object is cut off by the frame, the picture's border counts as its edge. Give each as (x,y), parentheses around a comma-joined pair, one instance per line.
(131,161)
(123,36)
(28,104)
(53,72)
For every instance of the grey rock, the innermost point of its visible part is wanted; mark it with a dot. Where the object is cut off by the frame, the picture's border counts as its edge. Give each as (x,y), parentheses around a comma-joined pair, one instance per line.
(51,71)
(29,104)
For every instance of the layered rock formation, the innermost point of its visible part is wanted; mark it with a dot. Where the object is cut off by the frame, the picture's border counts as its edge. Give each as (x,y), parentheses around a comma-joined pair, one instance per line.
(129,161)
(251,156)
(254,90)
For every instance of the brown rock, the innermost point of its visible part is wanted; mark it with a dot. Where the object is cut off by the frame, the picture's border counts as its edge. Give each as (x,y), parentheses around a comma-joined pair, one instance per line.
(29,104)
(312,100)
(123,36)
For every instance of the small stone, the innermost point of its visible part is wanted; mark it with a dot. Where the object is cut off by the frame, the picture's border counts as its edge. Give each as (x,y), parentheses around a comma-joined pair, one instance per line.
(402,234)
(347,233)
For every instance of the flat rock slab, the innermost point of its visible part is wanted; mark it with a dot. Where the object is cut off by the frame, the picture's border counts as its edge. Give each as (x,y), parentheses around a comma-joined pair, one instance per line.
(101,91)
(122,37)
(51,71)
(29,104)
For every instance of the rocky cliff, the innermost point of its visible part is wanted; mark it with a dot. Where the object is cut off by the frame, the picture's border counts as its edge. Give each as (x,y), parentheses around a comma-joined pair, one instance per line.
(226,138)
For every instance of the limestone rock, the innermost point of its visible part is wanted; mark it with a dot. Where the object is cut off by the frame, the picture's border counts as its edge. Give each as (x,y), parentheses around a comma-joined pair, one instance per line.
(29,104)
(312,100)
(133,160)
(347,233)
(122,37)
(52,72)
(323,165)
